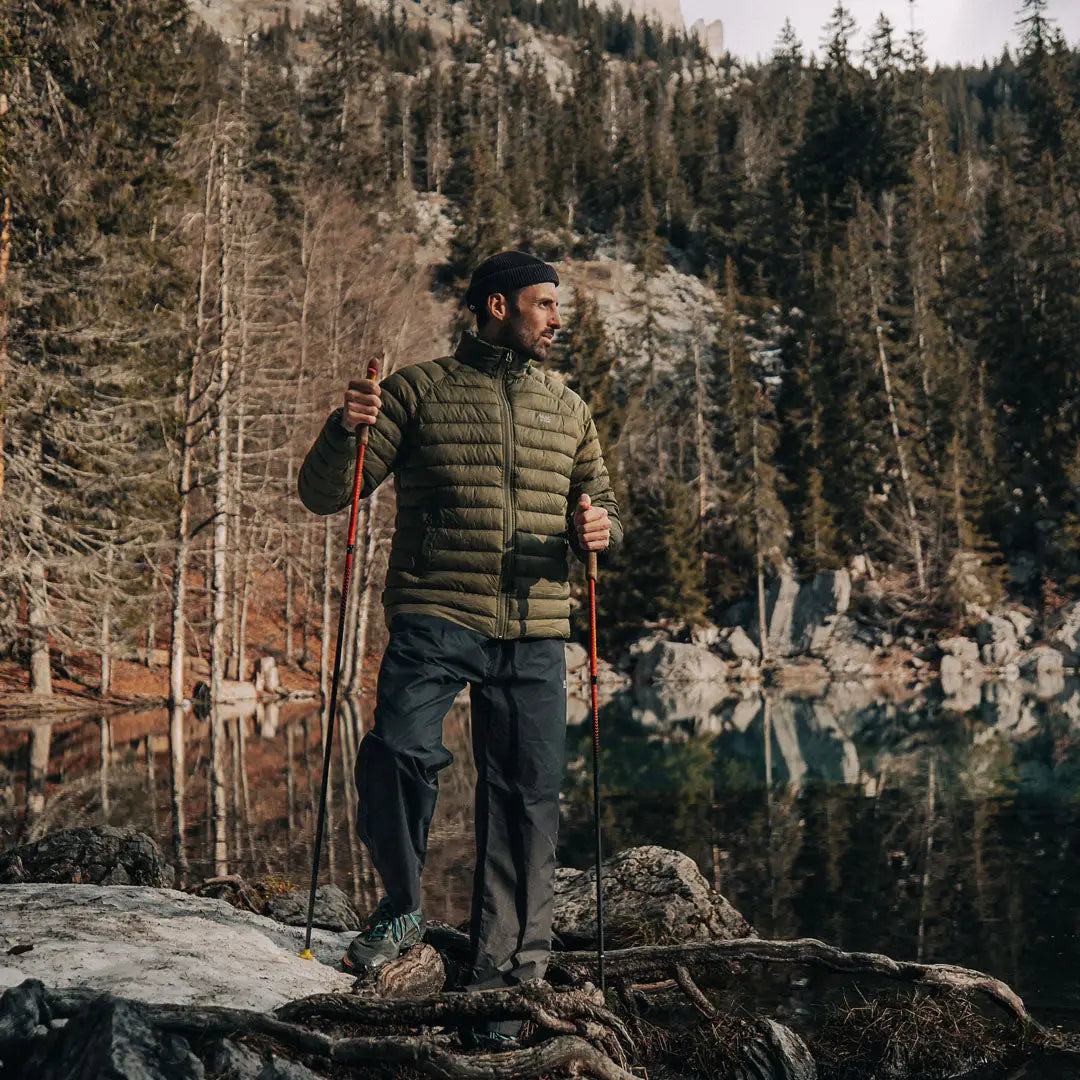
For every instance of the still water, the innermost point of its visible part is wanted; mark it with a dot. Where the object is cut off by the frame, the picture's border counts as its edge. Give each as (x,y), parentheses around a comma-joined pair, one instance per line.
(940,831)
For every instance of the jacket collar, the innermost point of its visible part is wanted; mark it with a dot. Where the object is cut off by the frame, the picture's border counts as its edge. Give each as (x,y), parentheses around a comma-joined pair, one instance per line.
(493,359)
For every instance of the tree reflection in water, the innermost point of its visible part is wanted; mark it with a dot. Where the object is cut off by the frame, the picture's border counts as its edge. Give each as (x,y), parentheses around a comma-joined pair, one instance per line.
(914,830)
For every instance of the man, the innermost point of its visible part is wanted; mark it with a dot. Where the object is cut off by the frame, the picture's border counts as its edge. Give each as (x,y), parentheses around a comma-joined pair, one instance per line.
(498,472)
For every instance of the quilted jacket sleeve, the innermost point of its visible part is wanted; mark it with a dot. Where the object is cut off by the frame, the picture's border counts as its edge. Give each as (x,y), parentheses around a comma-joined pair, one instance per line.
(590,477)
(326,476)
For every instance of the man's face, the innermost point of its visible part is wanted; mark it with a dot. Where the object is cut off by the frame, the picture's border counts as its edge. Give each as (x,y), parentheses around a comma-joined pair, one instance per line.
(529,327)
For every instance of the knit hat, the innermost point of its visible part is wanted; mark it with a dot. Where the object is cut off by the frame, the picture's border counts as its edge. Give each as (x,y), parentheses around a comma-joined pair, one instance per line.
(505,272)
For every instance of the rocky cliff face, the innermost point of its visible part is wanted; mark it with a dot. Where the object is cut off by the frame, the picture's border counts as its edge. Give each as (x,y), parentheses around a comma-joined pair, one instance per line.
(228,17)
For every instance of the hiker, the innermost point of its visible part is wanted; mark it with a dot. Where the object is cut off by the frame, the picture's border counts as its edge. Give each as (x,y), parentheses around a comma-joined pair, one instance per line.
(498,473)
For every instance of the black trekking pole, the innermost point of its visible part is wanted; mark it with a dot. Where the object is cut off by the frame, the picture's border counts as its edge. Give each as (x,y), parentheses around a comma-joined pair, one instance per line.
(350,547)
(590,573)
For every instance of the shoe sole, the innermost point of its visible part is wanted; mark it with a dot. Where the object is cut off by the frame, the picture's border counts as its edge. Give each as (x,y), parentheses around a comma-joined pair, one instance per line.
(378,967)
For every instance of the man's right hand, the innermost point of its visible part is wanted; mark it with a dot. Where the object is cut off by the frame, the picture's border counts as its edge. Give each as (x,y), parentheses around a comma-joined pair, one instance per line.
(363,400)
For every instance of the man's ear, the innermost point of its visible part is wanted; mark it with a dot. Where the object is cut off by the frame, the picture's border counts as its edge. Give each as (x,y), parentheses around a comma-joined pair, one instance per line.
(497,306)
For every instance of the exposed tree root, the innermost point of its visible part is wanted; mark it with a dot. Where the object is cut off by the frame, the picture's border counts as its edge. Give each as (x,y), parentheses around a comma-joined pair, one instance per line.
(659,961)
(571,1053)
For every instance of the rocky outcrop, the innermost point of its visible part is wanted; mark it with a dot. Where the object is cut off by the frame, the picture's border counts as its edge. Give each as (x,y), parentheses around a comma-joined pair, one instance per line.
(740,646)
(651,894)
(99,855)
(159,945)
(998,641)
(332,910)
(1065,637)
(673,662)
(801,619)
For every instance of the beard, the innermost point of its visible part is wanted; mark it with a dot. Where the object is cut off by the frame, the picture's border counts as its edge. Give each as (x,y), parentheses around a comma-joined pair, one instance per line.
(534,345)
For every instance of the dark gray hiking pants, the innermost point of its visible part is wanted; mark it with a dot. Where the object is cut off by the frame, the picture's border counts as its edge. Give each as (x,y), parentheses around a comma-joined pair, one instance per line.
(518,695)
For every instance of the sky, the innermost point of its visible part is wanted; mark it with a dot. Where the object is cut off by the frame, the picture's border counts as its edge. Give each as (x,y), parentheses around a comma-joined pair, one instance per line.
(955,30)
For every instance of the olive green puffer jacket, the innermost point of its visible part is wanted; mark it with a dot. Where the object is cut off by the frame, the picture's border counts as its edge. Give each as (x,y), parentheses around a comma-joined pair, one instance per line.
(489,456)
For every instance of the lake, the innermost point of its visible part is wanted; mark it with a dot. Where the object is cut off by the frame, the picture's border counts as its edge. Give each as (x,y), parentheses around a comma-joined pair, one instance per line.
(930,830)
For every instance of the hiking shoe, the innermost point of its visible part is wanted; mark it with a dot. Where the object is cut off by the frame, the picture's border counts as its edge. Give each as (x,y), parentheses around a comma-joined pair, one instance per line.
(384,937)
(491,1042)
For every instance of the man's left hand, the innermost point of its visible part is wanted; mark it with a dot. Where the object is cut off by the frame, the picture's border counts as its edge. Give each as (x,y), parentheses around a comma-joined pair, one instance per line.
(591,525)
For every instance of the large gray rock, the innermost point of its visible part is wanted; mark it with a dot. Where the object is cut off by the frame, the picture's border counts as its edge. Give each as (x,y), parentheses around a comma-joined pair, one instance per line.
(997,638)
(779,617)
(674,662)
(332,910)
(651,894)
(961,676)
(158,945)
(963,649)
(1045,666)
(739,646)
(802,620)
(227,1060)
(1066,637)
(817,609)
(109,1038)
(98,855)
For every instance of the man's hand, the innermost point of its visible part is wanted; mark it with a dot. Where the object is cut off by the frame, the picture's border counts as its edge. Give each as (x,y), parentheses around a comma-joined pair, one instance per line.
(362,400)
(591,525)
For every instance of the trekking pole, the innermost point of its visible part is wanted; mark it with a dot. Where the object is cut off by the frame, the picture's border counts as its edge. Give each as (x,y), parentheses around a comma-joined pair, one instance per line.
(350,547)
(590,573)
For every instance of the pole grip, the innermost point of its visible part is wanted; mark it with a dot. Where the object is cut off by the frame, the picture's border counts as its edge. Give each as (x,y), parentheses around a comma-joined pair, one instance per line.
(590,565)
(372,373)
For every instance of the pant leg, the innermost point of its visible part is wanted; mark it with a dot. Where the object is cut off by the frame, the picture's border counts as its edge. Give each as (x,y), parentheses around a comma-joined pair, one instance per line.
(427,662)
(519,742)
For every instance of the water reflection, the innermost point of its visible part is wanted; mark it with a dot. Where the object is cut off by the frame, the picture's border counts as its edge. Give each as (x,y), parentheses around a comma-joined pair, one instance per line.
(939,830)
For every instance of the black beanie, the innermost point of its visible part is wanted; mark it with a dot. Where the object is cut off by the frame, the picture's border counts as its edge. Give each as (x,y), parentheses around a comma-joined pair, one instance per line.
(505,272)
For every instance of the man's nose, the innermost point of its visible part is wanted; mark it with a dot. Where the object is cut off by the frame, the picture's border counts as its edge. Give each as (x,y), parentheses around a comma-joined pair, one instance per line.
(554,321)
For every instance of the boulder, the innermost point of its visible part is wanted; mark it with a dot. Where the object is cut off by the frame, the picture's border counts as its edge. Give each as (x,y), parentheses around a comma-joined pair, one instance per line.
(739,646)
(109,1038)
(779,616)
(577,658)
(332,909)
(997,637)
(670,661)
(1066,637)
(242,694)
(159,945)
(963,649)
(651,894)
(957,676)
(705,635)
(817,609)
(267,676)
(97,855)
(1045,666)
(227,1060)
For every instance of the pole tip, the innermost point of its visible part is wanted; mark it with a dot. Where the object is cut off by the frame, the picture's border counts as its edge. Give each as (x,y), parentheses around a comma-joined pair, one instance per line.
(307,954)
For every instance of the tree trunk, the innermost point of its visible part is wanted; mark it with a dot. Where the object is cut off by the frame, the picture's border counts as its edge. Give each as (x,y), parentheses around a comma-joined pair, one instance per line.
(759,554)
(894,423)
(699,419)
(37,594)
(218,809)
(187,455)
(176,790)
(105,642)
(5,261)
(37,768)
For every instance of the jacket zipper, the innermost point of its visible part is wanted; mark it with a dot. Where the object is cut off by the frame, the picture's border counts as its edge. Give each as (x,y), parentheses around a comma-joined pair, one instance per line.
(503,611)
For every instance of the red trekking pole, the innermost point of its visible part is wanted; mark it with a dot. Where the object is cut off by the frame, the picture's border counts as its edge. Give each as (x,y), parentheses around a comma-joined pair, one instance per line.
(590,573)
(350,547)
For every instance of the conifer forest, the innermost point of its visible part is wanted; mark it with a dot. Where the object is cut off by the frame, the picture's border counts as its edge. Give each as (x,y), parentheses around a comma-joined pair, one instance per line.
(202,239)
